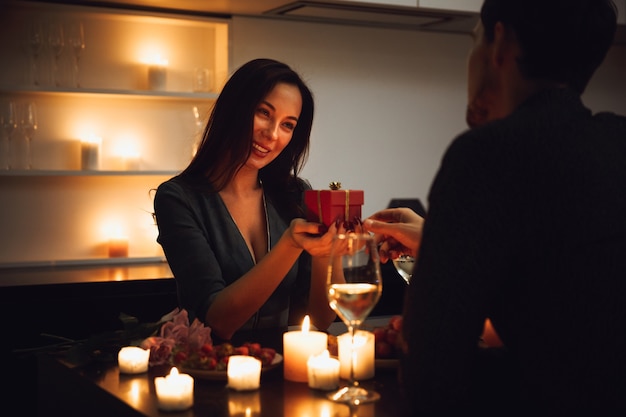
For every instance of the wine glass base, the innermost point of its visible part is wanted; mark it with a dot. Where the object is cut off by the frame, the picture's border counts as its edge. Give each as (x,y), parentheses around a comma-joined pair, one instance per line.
(353,395)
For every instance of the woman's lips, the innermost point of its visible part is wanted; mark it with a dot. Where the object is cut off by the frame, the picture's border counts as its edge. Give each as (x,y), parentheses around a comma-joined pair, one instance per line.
(259,148)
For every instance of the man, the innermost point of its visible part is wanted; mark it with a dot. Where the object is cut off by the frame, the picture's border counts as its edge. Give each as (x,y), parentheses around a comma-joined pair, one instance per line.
(526,226)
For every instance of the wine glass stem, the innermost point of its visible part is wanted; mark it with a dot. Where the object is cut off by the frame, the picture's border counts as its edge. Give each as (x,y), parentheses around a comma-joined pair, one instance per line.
(353,381)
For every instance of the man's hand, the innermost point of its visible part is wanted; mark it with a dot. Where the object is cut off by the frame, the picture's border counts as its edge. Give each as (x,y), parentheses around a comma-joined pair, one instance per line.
(398,231)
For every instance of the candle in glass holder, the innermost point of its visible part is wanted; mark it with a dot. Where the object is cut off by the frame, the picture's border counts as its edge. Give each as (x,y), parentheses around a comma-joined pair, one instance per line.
(118,247)
(90,153)
(157,74)
(174,391)
(363,359)
(298,346)
(133,360)
(323,371)
(244,372)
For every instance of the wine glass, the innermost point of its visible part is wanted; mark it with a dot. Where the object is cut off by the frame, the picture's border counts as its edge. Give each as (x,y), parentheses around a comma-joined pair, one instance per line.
(28,126)
(35,43)
(8,119)
(354,287)
(76,41)
(404,265)
(56,42)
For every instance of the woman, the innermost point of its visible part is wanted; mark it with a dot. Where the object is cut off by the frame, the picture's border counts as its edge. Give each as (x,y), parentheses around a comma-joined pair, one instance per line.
(231,224)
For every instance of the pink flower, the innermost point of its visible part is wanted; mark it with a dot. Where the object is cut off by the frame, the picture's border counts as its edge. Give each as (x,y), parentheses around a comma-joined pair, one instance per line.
(160,349)
(198,335)
(176,333)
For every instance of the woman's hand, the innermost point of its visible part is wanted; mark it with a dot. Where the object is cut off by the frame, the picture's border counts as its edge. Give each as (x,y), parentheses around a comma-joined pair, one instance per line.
(398,231)
(308,236)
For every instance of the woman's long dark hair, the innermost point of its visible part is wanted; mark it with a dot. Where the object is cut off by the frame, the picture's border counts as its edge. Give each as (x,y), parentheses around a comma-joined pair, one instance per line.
(227,139)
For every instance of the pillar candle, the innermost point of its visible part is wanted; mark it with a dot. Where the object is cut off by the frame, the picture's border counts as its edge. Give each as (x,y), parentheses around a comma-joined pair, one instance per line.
(133,360)
(118,247)
(90,154)
(298,346)
(174,391)
(157,75)
(323,371)
(363,359)
(244,372)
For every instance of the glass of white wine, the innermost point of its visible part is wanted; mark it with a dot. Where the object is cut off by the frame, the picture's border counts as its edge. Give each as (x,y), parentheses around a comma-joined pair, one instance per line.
(404,265)
(354,287)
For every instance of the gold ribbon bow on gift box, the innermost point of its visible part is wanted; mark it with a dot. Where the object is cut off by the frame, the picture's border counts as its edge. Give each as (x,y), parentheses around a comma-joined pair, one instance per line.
(334,185)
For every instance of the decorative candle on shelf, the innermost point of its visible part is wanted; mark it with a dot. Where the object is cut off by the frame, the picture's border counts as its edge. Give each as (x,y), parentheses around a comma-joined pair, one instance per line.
(118,247)
(90,153)
(133,360)
(363,359)
(174,391)
(244,372)
(298,346)
(157,74)
(323,371)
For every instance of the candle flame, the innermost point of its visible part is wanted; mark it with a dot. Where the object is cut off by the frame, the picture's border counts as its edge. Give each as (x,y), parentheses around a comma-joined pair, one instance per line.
(174,371)
(306,324)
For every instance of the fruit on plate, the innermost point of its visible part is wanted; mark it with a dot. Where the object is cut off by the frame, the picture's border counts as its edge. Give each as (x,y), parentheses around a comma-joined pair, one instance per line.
(388,343)
(215,357)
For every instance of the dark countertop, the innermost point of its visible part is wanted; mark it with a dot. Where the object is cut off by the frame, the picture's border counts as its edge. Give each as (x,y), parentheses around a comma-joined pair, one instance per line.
(98,389)
(68,273)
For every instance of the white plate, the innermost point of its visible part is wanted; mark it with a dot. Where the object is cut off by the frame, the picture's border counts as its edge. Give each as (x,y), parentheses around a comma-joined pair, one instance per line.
(222,375)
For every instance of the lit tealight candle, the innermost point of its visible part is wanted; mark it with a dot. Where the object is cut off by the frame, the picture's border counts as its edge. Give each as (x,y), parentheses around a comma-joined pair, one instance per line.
(90,153)
(298,346)
(174,391)
(157,74)
(133,360)
(361,354)
(244,372)
(323,371)
(118,247)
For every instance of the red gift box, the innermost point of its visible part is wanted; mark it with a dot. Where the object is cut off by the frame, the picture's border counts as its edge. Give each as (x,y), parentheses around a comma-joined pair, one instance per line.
(327,206)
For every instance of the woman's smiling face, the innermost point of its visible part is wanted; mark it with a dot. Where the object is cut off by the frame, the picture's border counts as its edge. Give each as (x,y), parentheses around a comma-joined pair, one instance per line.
(275,119)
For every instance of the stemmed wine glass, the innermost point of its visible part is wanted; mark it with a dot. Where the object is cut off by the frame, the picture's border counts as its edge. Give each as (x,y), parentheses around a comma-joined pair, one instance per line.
(76,41)
(56,42)
(354,287)
(28,126)
(8,119)
(404,265)
(35,43)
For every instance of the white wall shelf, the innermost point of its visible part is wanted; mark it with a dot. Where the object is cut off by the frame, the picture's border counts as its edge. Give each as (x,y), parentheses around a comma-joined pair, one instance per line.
(148,130)
(24,91)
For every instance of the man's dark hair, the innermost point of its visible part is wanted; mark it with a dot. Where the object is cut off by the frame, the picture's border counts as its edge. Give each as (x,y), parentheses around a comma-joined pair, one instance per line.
(561,40)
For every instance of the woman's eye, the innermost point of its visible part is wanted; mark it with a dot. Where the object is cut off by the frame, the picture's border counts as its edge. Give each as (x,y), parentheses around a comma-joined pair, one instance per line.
(289,126)
(264,112)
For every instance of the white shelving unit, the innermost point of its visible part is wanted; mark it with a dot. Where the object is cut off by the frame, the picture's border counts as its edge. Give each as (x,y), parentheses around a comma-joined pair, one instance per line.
(55,211)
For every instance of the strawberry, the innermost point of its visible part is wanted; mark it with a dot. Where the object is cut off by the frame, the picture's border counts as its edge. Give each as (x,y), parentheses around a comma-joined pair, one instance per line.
(180,357)
(267,356)
(207,348)
(242,350)
(254,349)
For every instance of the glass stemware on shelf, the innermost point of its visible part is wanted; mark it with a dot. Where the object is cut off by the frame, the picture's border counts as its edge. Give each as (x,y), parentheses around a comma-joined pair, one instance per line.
(354,287)
(76,41)
(23,156)
(404,265)
(35,44)
(56,41)
(8,120)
